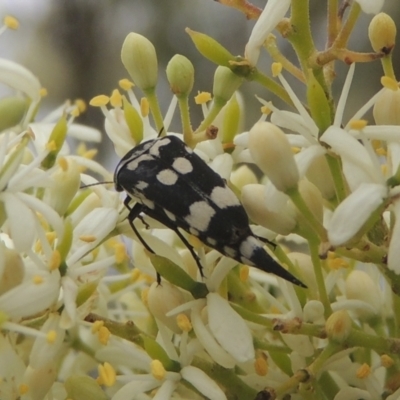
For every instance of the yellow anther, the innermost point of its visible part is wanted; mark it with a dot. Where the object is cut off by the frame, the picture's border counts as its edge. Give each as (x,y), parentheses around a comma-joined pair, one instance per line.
(244,273)
(364,371)
(266,110)
(389,83)
(99,101)
(295,149)
(37,279)
(261,366)
(144,107)
(337,263)
(51,146)
(51,237)
(381,151)
(184,322)
(51,336)
(55,260)
(202,98)
(38,246)
(120,253)
(75,112)
(384,169)
(135,275)
(126,84)
(104,335)
(276,69)
(90,154)
(386,361)
(63,163)
(23,388)
(157,370)
(81,149)
(43,92)
(11,22)
(96,326)
(358,124)
(81,104)
(88,238)
(107,375)
(116,98)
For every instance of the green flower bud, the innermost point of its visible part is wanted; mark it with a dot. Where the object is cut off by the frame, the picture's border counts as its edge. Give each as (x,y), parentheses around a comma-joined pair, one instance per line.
(180,74)
(231,120)
(225,84)
(210,48)
(140,60)
(382,33)
(133,120)
(318,103)
(338,326)
(387,106)
(66,181)
(83,388)
(12,110)
(56,141)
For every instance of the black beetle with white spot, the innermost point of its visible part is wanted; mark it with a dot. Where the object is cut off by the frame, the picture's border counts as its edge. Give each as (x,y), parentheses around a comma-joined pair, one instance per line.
(173,185)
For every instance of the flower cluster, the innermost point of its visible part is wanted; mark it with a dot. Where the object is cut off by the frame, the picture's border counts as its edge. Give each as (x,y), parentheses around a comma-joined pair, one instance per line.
(87,312)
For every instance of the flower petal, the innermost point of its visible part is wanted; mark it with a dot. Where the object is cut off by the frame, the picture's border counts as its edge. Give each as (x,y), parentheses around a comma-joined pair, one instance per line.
(229,328)
(272,14)
(354,211)
(203,383)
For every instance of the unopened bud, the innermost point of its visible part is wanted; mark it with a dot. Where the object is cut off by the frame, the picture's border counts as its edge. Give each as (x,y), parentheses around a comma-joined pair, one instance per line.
(382,33)
(140,60)
(255,202)
(210,48)
(180,74)
(360,286)
(387,106)
(338,326)
(225,84)
(271,151)
(319,174)
(163,298)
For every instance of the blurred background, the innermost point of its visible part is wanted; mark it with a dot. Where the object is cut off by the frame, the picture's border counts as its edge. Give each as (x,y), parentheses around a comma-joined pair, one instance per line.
(73,47)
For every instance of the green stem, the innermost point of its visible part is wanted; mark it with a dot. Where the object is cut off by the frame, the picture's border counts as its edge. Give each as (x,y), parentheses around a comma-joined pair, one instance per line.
(396,311)
(155,109)
(387,66)
(319,277)
(309,217)
(300,36)
(271,86)
(185,119)
(338,178)
(216,107)
(347,28)
(332,21)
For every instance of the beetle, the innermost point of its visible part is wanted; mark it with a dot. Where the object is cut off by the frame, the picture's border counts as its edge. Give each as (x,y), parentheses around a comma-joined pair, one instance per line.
(173,185)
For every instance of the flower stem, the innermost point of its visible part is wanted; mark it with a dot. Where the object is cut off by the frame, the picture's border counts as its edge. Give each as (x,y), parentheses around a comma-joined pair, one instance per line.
(155,109)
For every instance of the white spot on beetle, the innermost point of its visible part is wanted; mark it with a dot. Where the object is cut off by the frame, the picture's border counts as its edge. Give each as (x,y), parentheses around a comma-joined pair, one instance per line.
(211,241)
(223,197)
(182,165)
(141,185)
(148,203)
(132,165)
(193,231)
(200,214)
(170,215)
(248,246)
(229,251)
(167,177)
(155,149)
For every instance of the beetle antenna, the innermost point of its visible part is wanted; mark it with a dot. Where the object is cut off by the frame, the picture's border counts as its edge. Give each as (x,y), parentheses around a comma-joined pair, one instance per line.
(95,184)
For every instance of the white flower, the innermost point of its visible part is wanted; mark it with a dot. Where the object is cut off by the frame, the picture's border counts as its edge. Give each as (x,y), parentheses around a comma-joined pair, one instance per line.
(272,14)
(371,6)
(354,211)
